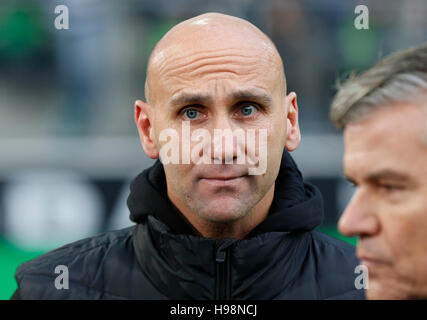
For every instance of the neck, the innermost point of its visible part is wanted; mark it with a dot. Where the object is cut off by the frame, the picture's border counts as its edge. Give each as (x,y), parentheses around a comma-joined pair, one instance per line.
(237,229)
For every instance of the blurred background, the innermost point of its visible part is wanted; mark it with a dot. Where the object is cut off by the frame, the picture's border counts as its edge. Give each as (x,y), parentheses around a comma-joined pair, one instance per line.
(68,143)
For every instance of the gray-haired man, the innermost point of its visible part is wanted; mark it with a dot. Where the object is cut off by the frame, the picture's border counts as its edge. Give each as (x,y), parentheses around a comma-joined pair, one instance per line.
(384,115)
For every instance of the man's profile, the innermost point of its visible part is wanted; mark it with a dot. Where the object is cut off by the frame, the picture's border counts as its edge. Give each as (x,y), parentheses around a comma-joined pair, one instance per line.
(384,115)
(214,224)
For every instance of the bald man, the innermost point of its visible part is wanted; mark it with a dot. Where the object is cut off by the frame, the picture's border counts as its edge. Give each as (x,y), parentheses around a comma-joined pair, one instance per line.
(224,212)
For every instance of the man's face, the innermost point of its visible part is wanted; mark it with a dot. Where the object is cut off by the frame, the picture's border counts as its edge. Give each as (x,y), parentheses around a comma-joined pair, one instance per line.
(386,158)
(235,83)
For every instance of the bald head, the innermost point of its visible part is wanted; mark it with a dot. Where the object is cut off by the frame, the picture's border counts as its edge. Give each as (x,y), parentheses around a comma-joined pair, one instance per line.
(216,74)
(211,34)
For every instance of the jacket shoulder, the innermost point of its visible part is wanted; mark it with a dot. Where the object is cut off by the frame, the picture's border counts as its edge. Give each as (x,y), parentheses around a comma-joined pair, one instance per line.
(83,262)
(333,244)
(336,262)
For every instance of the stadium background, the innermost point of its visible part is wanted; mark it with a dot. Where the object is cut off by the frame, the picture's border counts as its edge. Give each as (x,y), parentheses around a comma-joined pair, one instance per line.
(68,144)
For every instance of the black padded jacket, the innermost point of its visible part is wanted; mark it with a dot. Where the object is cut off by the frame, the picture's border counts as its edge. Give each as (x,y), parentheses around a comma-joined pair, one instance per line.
(161,257)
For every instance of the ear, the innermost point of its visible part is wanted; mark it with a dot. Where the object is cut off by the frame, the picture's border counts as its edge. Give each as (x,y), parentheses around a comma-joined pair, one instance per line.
(143,113)
(293,134)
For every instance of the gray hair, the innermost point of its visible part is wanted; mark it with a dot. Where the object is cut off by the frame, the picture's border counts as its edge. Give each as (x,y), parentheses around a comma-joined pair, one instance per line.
(400,77)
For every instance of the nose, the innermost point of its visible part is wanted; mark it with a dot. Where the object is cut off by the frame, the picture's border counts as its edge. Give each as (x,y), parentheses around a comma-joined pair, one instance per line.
(359,218)
(228,140)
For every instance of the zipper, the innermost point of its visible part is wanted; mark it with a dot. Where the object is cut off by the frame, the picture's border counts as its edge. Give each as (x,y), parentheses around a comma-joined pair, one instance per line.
(223,274)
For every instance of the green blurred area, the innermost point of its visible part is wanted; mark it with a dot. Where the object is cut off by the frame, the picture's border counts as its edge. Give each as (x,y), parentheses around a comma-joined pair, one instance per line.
(21,31)
(333,232)
(11,257)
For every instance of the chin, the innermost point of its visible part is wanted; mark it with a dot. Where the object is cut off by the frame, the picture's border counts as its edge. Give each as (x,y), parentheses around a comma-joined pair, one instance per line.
(384,295)
(384,290)
(223,210)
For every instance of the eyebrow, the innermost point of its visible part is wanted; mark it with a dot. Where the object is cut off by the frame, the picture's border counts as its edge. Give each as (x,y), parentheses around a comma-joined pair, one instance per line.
(188,98)
(382,175)
(388,174)
(253,94)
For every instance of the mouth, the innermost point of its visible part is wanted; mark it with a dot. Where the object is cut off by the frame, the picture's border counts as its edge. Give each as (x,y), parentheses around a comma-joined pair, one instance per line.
(219,181)
(369,260)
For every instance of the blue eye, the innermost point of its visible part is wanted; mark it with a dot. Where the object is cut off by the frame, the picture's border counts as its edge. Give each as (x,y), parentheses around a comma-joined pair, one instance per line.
(191,113)
(248,110)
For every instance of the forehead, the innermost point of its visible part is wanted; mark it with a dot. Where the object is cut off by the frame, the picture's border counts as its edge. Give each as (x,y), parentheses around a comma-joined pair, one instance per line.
(214,63)
(391,138)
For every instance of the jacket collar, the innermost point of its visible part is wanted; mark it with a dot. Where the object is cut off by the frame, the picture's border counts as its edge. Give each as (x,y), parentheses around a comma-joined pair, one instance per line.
(184,266)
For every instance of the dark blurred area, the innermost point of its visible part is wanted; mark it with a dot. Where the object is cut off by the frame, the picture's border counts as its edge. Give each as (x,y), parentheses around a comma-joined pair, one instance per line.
(68,143)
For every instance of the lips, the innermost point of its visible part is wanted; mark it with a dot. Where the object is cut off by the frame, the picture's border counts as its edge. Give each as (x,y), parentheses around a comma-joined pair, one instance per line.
(222,172)
(222,181)
(222,177)
(369,259)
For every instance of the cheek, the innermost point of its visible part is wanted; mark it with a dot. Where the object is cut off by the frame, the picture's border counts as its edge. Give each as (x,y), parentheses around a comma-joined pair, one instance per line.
(275,144)
(408,243)
(396,236)
(178,174)
(276,129)
(414,231)
(405,231)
